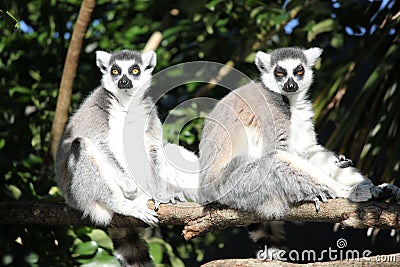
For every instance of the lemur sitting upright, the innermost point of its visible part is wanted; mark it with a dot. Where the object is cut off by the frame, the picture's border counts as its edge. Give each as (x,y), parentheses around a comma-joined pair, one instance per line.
(90,165)
(259,150)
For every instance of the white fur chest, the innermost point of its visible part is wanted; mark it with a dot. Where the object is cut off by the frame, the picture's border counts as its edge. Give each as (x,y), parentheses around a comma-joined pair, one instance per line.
(302,135)
(118,117)
(116,125)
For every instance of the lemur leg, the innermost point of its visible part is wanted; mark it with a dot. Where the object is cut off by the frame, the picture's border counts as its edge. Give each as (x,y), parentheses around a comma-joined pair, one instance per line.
(272,184)
(362,187)
(357,194)
(86,161)
(114,169)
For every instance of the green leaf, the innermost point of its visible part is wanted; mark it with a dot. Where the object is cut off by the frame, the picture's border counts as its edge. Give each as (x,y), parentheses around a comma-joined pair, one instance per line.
(19,89)
(102,258)
(32,160)
(2,143)
(337,40)
(175,261)
(187,136)
(35,75)
(32,257)
(15,191)
(212,4)
(280,19)
(101,238)
(255,11)
(156,252)
(12,22)
(323,26)
(86,248)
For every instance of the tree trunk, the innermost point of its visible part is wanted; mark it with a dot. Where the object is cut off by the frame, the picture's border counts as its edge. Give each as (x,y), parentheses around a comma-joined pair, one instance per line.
(69,73)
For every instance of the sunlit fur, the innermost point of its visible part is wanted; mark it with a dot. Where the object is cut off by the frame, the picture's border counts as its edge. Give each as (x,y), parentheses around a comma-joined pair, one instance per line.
(289,165)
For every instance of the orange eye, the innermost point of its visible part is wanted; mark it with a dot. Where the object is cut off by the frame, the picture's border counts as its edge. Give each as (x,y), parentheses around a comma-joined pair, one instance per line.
(279,74)
(114,72)
(300,72)
(135,71)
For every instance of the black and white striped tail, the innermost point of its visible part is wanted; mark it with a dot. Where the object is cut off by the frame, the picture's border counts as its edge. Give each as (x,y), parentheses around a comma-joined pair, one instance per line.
(268,238)
(129,248)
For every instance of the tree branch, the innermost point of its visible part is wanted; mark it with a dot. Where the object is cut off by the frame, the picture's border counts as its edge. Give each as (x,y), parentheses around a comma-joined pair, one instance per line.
(69,73)
(199,219)
(153,42)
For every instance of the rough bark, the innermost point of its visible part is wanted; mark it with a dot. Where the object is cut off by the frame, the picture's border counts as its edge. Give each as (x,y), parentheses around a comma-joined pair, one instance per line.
(198,219)
(69,73)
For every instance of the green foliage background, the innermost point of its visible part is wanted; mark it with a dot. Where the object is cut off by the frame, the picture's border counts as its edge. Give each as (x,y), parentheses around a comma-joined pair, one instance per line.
(356,94)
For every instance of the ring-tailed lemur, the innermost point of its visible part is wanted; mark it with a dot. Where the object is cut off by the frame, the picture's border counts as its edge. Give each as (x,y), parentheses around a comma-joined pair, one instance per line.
(90,164)
(259,151)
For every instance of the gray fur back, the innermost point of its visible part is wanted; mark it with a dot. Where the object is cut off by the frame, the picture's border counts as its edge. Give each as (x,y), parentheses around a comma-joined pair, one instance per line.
(98,103)
(250,106)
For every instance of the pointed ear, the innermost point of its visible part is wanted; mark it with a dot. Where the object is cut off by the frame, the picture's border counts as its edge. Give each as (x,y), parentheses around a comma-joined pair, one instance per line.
(102,60)
(149,59)
(312,55)
(263,61)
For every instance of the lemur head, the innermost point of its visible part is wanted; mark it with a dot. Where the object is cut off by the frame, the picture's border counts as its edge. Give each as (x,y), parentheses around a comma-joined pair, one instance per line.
(126,72)
(287,71)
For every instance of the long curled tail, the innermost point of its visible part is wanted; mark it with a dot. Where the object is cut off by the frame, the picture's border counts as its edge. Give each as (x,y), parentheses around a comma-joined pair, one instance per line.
(129,248)
(268,238)
(182,170)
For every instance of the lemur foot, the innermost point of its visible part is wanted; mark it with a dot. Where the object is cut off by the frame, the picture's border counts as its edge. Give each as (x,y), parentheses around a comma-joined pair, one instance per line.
(385,191)
(178,197)
(157,204)
(322,197)
(343,162)
(143,213)
(138,209)
(361,192)
(317,204)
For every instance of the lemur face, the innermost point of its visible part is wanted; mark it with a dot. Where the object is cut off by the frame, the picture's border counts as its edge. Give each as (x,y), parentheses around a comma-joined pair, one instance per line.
(126,72)
(287,71)
(289,75)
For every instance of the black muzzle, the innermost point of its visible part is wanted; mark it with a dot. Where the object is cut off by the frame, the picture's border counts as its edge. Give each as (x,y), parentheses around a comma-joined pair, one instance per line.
(290,86)
(125,83)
